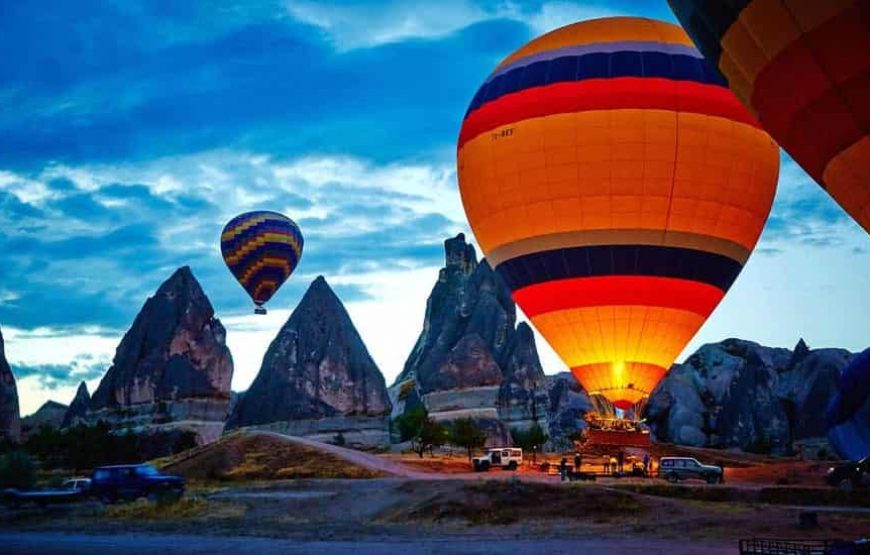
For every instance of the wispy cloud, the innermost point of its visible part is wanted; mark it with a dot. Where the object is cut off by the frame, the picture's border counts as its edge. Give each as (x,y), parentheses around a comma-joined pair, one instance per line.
(352,25)
(803,213)
(110,234)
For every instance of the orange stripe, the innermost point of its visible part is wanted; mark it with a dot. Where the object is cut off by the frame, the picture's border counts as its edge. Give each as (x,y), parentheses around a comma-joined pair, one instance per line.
(679,294)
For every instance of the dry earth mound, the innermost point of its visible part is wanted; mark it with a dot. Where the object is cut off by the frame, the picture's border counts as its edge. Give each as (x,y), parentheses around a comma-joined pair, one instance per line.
(258,456)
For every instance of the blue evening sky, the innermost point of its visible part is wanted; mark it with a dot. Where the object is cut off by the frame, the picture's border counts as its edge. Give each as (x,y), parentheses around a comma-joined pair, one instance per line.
(130,132)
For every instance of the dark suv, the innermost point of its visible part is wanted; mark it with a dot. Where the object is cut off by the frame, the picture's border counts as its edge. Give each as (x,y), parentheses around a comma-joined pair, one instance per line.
(131,481)
(674,469)
(850,475)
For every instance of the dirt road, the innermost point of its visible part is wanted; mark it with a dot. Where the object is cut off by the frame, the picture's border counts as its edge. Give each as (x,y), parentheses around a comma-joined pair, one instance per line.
(49,543)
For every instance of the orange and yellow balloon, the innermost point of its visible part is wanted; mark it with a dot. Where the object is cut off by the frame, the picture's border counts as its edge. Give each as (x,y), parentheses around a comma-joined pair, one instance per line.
(618,187)
(803,67)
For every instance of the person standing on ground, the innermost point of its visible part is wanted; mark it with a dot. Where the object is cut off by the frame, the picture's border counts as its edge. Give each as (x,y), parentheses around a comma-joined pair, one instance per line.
(578,460)
(621,461)
(563,468)
(646,464)
(612,464)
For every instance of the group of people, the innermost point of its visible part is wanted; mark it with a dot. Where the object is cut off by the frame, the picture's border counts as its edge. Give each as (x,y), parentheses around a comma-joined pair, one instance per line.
(613,464)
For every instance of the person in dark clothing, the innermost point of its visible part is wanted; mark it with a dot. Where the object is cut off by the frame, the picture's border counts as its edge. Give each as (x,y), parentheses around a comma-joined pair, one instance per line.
(621,461)
(646,464)
(578,461)
(563,469)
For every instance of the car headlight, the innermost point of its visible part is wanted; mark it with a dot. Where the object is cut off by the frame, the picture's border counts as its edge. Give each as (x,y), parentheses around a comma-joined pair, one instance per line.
(831,470)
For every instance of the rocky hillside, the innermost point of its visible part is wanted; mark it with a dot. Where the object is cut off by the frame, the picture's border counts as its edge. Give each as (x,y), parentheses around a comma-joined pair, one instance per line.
(50,414)
(10,422)
(738,394)
(317,377)
(78,409)
(172,364)
(471,358)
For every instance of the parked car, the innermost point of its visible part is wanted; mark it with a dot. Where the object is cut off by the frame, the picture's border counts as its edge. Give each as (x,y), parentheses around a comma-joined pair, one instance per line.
(70,491)
(850,475)
(506,457)
(674,469)
(131,481)
(77,484)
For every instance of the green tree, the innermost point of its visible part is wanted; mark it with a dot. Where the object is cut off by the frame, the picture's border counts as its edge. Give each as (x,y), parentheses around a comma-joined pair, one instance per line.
(530,440)
(432,434)
(17,470)
(467,434)
(422,431)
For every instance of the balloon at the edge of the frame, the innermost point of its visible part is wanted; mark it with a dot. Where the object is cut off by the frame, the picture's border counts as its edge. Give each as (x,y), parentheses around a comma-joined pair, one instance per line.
(849,412)
(618,187)
(261,250)
(804,69)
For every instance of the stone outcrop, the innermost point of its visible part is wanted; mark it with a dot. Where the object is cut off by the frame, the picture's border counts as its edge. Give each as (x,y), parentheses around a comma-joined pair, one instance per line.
(738,394)
(471,359)
(10,422)
(172,368)
(49,415)
(317,378)
(77,413)
(569,403)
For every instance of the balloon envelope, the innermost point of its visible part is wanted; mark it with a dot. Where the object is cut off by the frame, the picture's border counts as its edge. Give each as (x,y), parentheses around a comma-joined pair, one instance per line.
(261,249)
(618,187)
(803,67)
(849,412)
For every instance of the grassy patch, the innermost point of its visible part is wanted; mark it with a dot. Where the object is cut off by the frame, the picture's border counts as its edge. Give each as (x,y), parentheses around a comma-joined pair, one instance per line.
(185,509)
(778,495)
(141,509)
(506,502)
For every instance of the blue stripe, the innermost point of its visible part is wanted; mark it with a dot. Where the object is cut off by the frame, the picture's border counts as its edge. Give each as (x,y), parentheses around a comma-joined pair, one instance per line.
(620,260)
(269,273)
(601,65)
(271,250)
(598,48)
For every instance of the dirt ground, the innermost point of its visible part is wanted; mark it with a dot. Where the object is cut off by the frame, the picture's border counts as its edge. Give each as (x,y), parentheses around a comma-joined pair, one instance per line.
(267,485)
(403,508)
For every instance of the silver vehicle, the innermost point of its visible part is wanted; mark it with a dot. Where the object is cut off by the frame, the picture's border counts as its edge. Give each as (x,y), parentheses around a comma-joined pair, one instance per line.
(674,469)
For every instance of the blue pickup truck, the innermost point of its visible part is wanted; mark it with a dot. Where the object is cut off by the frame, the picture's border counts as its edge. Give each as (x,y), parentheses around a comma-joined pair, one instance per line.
(131,481)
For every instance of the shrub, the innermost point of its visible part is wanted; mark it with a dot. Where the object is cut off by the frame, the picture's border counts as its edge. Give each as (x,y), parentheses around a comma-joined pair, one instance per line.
(17,470)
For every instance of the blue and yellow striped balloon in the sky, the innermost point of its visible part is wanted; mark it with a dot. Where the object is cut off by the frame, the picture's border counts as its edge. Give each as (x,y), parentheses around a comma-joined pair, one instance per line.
(261,249)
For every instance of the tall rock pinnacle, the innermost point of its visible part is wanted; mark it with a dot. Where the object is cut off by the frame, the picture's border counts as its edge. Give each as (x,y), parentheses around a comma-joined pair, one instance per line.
(174,355)
(316,368)
(10,420)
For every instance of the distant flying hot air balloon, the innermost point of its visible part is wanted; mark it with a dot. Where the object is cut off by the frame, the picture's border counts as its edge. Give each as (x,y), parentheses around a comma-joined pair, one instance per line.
(261,249)
(618,187)
(803,68)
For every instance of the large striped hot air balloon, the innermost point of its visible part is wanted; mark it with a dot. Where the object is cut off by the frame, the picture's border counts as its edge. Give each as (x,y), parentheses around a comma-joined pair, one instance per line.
(803,67)
(618,187)
(261,249)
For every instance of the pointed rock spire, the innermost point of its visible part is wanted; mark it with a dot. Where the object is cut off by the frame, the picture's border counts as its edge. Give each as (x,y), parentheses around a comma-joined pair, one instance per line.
(316,367)
(175,350)
(78,409)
